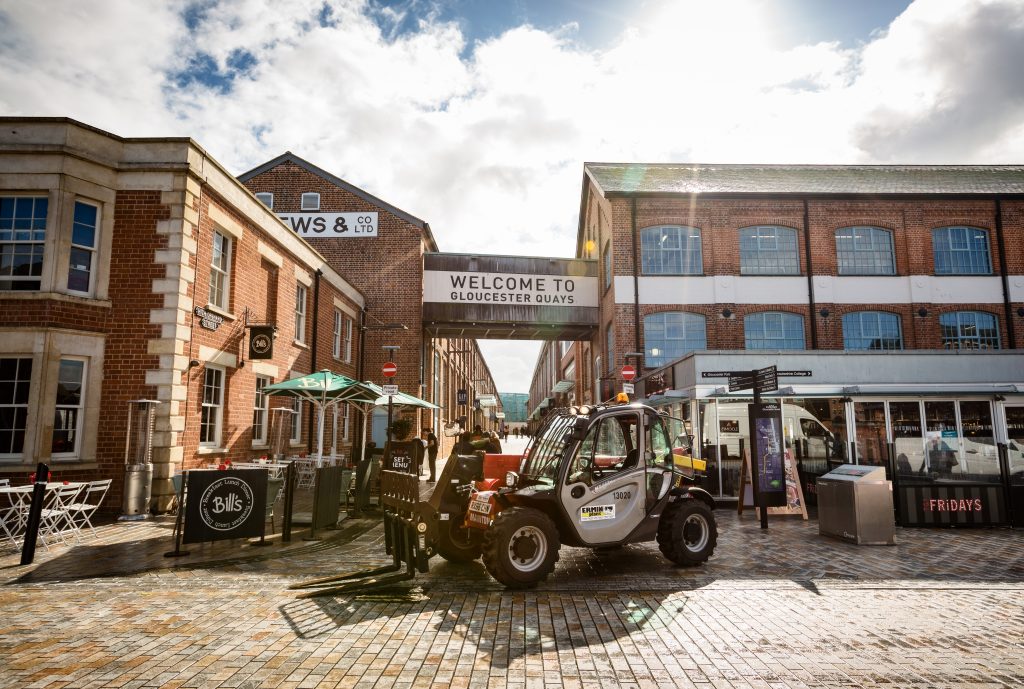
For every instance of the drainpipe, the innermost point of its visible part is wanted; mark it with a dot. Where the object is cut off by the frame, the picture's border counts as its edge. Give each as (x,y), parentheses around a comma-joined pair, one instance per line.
(810,278)
(1011,338)
(636,286)
(312,347)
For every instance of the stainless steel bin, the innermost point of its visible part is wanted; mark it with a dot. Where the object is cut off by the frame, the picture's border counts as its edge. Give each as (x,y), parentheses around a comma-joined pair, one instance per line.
(855,504)
(138,488)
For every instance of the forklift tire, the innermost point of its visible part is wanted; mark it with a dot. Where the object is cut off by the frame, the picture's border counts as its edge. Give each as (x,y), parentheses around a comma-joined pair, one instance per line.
(687,533)
(521,547)
(456,543)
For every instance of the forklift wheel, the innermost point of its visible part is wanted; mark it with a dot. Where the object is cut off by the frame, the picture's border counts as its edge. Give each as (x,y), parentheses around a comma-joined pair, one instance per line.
(687,533)
(521,547)
(456,543)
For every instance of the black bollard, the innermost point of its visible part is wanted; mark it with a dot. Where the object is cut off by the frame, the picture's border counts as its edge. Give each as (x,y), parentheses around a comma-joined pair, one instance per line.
(35,511)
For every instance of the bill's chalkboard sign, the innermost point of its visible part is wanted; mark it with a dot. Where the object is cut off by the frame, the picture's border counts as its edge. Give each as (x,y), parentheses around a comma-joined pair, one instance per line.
(225,504)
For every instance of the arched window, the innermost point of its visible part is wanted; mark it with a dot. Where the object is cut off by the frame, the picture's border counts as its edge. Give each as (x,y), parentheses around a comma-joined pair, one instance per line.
(671,250)
(961,251)
(607,264)
(865,251)
(769,250)
(774,330)
(872,330)
(969,330)
(670,335)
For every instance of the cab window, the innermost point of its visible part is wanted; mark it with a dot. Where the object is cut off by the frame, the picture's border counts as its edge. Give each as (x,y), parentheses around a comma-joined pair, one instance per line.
(609,448)
(658,444)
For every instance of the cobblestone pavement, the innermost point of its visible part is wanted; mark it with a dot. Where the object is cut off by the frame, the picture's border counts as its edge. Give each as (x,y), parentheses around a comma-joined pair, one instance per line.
(782,608)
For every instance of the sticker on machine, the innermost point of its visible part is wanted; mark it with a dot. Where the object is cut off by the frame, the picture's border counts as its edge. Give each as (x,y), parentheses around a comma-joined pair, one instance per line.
(593,513)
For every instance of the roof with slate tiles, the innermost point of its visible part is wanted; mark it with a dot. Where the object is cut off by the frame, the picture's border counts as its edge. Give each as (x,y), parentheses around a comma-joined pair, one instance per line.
(619,179)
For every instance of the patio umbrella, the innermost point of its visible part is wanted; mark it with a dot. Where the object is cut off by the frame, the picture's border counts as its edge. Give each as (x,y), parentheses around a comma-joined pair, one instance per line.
(323,389)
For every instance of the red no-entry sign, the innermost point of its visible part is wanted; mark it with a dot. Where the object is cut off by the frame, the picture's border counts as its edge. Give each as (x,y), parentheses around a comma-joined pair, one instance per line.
(628,372)
(389,370)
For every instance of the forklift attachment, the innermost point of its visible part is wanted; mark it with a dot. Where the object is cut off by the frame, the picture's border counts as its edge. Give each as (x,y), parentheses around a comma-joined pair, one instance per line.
(403,539)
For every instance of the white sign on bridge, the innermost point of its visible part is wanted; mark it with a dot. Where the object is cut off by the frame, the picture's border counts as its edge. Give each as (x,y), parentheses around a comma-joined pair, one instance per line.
(450,287)
(332,225)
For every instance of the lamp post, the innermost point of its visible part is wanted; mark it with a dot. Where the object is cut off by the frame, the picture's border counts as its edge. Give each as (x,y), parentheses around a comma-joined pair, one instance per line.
(390,349)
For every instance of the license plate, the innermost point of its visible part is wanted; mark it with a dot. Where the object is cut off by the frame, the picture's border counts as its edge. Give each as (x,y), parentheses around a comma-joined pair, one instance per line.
(480,506)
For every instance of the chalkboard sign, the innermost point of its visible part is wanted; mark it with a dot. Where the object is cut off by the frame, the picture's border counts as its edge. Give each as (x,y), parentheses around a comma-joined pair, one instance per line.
(404,456)
(225,504)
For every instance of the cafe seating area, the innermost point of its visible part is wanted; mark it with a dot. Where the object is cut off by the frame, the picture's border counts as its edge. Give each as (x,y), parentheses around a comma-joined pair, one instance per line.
(68,508)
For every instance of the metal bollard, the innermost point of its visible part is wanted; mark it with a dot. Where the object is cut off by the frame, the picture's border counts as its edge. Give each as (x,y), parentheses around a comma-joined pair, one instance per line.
(35,512)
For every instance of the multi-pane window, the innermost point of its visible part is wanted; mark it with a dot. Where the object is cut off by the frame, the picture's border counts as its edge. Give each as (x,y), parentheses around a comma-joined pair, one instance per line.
(15,377)
(212,416)
(344,434)
(865,251)
(670,335)
(607,264)
(337,334)
(671,250)
(300,313)
(296,436)
(22,238)
(347,342)
(220,271)
(774,330)
(961,251)
(969,330)
(872,330)
(310,201)
(266,198)
(769,250)
(83,247)
(67,417)
(260,411)
(609,347)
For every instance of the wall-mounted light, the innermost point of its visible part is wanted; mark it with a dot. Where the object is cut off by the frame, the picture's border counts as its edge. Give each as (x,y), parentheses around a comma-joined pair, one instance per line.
(726,313)
(922,312)
(1020,312)
(823,313)
(193,363)
(999,398)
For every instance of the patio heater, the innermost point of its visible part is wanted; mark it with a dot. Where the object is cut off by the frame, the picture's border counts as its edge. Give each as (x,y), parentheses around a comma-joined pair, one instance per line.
(281,432)
(138,460)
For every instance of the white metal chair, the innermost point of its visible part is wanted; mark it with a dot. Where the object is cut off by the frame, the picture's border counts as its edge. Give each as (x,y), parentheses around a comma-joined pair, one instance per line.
(14,511)
(86,504)
(55,518)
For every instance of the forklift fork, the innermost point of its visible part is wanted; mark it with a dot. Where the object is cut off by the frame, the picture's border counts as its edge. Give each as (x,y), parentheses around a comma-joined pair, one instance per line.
(399,498)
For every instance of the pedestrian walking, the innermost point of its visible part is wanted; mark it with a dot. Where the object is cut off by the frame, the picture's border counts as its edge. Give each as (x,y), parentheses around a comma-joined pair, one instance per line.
(432,447)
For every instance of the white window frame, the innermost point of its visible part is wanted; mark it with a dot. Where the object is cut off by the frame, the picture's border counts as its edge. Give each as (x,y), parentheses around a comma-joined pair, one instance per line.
(32,241)
(266,198)
(337,333)
(216,407)
(27,406)
(313,198)
(347,358)
(220,275)
(82,247)
(301,297)
(79,408)
(296,435)
(261,412)
(344,435)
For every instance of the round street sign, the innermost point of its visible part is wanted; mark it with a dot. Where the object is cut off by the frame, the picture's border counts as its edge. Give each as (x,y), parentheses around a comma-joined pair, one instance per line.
(389,370)
(628,372)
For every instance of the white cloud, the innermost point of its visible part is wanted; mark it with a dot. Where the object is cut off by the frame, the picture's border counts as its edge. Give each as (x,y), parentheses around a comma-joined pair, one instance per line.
(487,143)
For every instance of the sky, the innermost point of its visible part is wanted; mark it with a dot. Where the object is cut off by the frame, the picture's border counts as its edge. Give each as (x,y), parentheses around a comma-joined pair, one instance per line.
(478,115)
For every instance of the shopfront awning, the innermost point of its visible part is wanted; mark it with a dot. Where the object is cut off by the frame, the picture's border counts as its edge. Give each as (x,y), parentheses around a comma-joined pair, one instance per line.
(564,386)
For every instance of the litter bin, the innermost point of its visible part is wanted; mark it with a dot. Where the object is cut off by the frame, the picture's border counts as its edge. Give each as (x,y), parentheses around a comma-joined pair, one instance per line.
(855,504)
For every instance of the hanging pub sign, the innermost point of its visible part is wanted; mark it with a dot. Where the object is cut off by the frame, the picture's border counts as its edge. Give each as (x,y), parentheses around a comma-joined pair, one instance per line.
(261,342)
(225,504)
(767,454)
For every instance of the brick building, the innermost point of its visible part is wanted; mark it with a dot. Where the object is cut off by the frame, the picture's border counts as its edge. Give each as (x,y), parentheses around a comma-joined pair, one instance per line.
(134,269)
(380,248)
(919,270)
